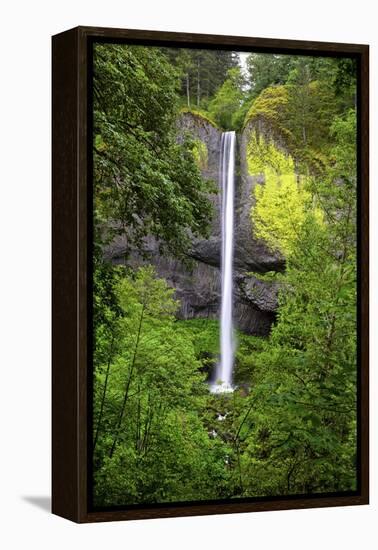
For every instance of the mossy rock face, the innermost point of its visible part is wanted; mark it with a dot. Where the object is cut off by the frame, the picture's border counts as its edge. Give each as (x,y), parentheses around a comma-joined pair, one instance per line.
(271,104)
(279,211)
(200,116)
(270,109)
(207,139)
(201,154)
(198,285)
(278,191)
(269,159)
(280,195)
(270,115)
(263,154)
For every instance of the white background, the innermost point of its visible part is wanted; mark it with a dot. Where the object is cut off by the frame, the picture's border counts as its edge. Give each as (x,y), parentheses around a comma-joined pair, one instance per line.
(25,273)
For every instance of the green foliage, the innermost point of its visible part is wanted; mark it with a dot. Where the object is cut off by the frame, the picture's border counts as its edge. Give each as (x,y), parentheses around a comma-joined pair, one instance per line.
(263,154)
(310,110)
(281,202)
(266,70)
(201,114)
(300,105)
(205,336)
(200,154)
(202,73)
(145,401)
(204,333)
(227,101)
(303,424)
(271,105)
(145,182)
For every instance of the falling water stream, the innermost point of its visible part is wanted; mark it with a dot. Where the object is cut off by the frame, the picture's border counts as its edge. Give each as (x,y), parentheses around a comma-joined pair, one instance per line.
(223,375)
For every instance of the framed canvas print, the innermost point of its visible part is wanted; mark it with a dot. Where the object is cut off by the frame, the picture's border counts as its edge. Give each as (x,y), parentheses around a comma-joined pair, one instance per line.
(210,274)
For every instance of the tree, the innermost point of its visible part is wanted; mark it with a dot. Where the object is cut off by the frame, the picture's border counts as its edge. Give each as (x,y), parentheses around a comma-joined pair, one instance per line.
(184,63)
(149,418)
(228,99)
(202,72)
(311,106)
(302,423)
(145,181)
(265,70)
(281,202)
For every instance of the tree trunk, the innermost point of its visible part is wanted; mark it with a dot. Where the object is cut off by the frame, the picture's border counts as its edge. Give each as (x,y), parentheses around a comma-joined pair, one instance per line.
(104,393)
(127,388)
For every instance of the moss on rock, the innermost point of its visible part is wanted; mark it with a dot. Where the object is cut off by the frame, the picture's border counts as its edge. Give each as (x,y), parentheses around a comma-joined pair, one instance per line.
(263,154)
(271,107)
(200,154)
(200,115)
(280,202)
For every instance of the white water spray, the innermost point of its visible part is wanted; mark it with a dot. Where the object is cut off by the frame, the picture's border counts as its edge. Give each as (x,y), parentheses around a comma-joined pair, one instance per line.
(227,174)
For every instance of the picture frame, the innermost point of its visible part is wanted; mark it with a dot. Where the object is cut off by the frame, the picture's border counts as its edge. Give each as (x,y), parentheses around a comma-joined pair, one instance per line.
(72,174)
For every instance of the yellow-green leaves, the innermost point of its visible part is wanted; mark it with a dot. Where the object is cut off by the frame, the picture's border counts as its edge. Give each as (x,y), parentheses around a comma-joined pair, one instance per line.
(262,153)
(200,114)
(226,103)
(270,104)
(200,154)
(279,210)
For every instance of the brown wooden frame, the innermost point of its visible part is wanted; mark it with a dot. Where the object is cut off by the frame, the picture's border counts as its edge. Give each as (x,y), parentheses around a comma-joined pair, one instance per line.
(71,178)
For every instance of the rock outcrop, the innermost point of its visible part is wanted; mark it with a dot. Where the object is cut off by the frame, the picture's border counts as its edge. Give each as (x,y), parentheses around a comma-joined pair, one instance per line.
(198,285)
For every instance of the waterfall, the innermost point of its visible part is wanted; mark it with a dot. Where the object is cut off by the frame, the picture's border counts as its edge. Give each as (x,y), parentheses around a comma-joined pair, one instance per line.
(224,369)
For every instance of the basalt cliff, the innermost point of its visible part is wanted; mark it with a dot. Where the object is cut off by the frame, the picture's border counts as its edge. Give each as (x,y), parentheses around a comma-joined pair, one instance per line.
(197,283)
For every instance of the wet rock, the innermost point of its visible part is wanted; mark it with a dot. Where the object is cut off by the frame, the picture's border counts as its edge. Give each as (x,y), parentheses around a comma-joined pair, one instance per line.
(198,284)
